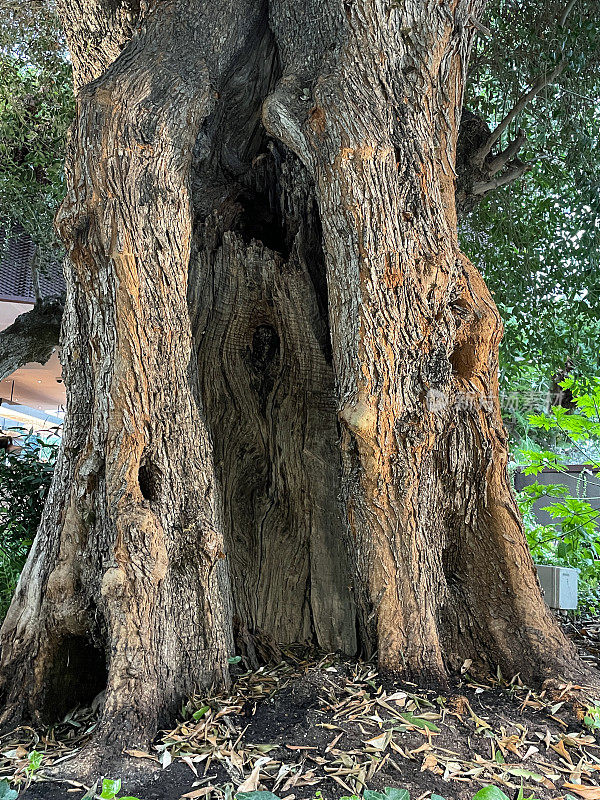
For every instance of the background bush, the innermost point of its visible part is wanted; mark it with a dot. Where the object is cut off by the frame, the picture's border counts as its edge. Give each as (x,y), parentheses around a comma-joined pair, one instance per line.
(25,478)
(573,538)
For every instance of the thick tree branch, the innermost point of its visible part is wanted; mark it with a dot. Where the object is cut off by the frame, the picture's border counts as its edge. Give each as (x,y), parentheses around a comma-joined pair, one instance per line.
(96,33)
(31,338)
(479,26)
(497,163)
(516,169)
(545,79)
(478,170)
(566,11)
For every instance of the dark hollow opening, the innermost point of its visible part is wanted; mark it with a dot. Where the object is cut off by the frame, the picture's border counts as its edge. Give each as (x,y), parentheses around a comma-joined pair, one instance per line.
(451,554)
(77,676)
(148,481)
(259,221)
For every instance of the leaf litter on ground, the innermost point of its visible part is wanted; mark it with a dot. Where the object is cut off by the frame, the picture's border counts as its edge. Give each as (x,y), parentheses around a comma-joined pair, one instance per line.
(357,730)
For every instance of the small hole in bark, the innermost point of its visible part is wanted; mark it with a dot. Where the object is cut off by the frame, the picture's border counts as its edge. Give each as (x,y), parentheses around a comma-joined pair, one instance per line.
(77,676)
(148,480)
(463,360)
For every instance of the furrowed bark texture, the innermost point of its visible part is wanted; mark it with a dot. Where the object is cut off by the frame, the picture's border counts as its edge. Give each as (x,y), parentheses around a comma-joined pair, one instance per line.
(281,371)
(129,558)
(441,564)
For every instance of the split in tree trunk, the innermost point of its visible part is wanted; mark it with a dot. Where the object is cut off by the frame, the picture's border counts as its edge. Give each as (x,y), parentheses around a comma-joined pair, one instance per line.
(311,439)
(264,363)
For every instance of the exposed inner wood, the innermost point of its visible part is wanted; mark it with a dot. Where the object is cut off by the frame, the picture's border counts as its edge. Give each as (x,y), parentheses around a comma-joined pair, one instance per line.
(281,370)
(267,382)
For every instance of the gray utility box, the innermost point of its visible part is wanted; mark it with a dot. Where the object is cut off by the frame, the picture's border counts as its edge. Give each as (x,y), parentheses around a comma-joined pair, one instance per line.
(559,585)
(581,481)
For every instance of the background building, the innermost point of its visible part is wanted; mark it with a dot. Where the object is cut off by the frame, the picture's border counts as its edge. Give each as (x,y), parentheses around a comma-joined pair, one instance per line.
(34,395)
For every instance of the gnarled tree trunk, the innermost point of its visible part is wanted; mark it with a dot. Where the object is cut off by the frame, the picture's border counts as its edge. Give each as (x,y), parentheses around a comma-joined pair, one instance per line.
(128,573)
(314,431)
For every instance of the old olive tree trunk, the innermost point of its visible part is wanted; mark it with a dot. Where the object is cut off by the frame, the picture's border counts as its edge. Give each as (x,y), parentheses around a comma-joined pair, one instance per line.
(283,415)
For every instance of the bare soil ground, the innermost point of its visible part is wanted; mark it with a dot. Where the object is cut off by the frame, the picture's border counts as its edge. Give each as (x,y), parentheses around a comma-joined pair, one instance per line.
(321,722)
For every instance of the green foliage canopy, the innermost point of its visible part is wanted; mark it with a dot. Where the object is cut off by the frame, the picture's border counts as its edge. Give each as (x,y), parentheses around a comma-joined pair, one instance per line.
(538,240)
(36,107)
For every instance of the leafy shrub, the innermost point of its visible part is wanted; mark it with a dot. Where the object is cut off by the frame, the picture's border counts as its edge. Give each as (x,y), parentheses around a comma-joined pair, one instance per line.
(573,538)
(24,482)
(592,718)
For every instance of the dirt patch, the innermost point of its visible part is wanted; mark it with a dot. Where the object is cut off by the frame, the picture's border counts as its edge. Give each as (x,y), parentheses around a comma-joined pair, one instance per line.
(338,726)
(167,784)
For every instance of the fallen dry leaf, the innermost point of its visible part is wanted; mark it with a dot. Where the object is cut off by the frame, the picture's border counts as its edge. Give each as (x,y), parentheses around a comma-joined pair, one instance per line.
(198,793)
(587,792)
(430,763)
(251,782)
(140,754)
(560,748)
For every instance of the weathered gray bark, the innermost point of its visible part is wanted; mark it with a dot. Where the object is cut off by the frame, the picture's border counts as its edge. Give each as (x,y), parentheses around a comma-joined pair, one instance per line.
(317,423)
(269,401)
(259,309)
